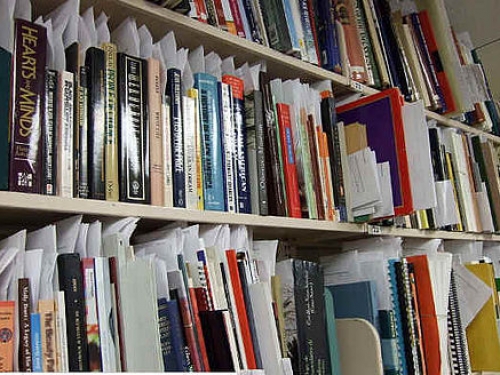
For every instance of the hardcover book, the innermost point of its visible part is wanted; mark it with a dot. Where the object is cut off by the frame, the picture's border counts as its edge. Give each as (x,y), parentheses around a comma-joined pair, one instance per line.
(133,125)
(49,134)
(382,115)
(81,136)
(30,54)
(5,99)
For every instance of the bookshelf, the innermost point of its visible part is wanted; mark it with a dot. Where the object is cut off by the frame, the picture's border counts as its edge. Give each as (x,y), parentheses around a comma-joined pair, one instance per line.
(190,33)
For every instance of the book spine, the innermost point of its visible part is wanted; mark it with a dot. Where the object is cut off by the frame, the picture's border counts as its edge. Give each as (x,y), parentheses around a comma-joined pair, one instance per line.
(201,10)
(291,181)
(240,141)
(134,130)
(219,11)
(81,137)
(304,167)
(315,166)
(213,181)
(190,152)
(65,125)
(253,24)
(171,336)
(7,327)
(61,332)
(36,342)
(372,75)
(49,134)
(398,318)
(118,329)
(309,43)
(177,138)
(24,315)
(277,29)
(95,60)
(329,123)
(193,93)
(327,172)
(241,308)
(245,20)
(212,18)
(156,135)
(198,328)
(47,312)
(228,145)
(71,283)
(237,17)
(30,54)
(228,17)
(328,39)
(389,342)
(111,122)
(91,317)
(5,115)
(294,29)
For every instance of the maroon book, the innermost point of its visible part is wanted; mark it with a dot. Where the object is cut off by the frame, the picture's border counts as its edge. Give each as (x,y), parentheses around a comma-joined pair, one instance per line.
(28,72)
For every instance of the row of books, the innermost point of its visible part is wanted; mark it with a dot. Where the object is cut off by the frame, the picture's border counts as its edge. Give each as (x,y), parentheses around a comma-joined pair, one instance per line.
(433,303)
(409,45)
(77,296)
(80,296)
(145,122)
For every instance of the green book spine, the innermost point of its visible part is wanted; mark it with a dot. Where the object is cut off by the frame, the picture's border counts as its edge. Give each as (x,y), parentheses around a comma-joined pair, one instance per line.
(332,333)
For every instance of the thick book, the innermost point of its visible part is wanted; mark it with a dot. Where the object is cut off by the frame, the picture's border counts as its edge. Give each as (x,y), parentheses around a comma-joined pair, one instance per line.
(133,123)
(191,137)
(211,134)
(96,62)
(24,320)
(28,88)
(315,166)
(327,35)
(275,190)
(216,335)
(174,92)
(243,200)
(71,283)
(111,122)
(355,300)
(303,287)
(287,144)
(7,327)
(49,134)
(309,37)
(382,115)
(276,27)
(81,136)
(47,311)
(5,99)
(173,347)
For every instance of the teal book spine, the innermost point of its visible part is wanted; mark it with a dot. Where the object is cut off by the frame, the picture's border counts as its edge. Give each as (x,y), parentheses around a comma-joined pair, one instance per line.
(331,328)
(211,135)
(5,66)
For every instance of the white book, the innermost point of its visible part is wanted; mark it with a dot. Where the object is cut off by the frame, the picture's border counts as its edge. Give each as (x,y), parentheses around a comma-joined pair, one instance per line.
(105,314)
(190,152)
(65,129)
(167,155)
(62,339)
(228,146)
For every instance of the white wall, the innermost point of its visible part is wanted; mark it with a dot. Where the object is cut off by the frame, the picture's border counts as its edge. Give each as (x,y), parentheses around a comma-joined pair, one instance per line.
(481,18)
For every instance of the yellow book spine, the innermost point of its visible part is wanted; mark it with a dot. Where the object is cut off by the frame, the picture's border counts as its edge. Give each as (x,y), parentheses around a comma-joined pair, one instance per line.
(193,93)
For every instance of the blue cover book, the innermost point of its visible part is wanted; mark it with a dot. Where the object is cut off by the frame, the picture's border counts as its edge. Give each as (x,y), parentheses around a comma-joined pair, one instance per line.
(211,135)
(174,91)
(355,300)
(36,343)
(327,36)
(290,22)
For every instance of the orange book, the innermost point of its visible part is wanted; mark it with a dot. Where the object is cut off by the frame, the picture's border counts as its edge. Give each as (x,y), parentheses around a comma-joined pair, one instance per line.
(327,172)
(428,316)
(7,320)
(241,309)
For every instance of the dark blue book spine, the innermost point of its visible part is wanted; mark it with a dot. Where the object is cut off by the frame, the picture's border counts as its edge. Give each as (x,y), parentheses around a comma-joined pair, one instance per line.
(178,173)
(213,182)
(171,336)
(327,36)
(36,343)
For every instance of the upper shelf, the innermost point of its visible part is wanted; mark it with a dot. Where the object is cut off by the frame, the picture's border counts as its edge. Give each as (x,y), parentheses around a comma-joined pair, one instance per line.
(191,33)
(20,210)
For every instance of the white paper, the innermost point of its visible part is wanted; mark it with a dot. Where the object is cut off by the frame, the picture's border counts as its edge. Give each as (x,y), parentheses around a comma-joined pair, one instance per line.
(125,226)
(386,206)
(17,240)
(264,254)
(421,246)
(32,270)
(473,293)
(467,250)
(89,20)
(146,42)
(46,239)
(102,29)
(23,10)
(169,49)
(364,179)
(228,66)
(197,60)
(81,241)
(94,240)
(341,268)
(213,65)
(492,251)
(126,38)
(419,157)
(7,24)
(484,208)
(67,233)
(445,212)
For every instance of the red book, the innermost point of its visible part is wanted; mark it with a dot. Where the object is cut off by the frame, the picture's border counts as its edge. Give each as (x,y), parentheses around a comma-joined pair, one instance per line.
(201,11)
(219,11)
(383,117)
(428,315)
(291,180)
(434,52)
(241,308)
(199,331)
(238,22)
